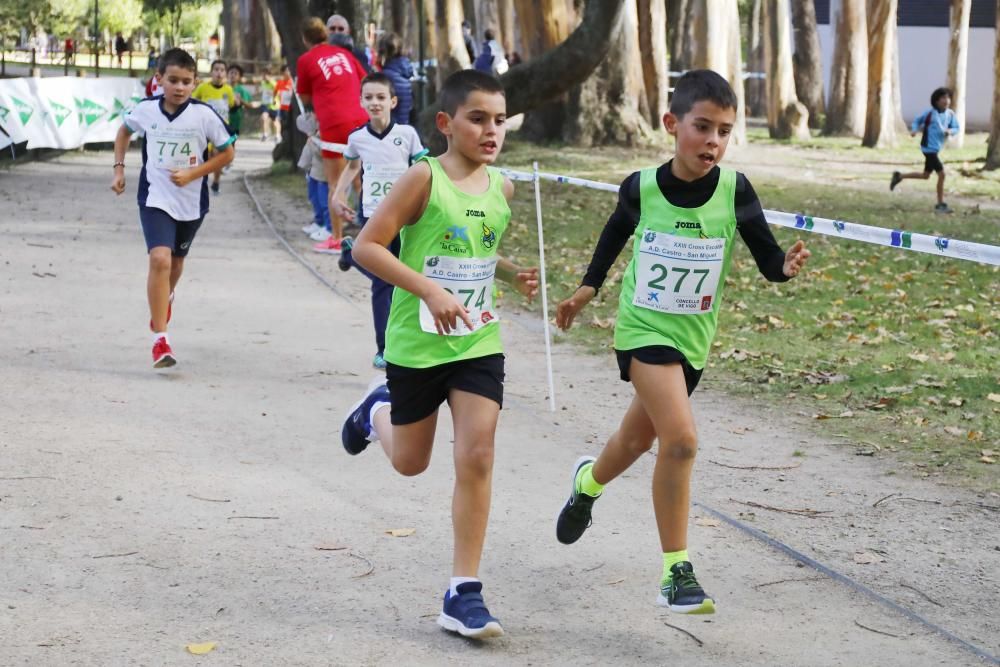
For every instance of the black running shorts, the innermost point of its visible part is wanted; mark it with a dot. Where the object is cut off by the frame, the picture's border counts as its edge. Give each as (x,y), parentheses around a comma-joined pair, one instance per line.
(932,163)
(162,230)
(415,393)
(658,355)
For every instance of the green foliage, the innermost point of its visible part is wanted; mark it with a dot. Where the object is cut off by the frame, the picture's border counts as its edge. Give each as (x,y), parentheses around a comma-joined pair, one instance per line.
(121,15)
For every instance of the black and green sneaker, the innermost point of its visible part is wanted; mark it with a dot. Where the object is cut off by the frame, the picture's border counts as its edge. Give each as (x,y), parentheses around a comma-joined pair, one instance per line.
(574,518)
(682,593)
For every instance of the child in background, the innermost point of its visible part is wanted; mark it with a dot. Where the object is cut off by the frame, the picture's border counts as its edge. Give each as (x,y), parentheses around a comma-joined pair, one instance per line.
(311,162)
(242,96)
(283,98)
(218,94)
(268,106)
(937,124)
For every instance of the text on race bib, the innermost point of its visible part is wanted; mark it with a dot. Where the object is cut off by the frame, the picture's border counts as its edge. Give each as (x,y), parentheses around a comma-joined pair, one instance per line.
(678,274)
(471,281)
(170,148)
(377,182)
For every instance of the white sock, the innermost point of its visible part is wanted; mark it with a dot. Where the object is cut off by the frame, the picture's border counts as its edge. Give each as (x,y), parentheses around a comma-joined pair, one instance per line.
(455,581)
(373,436)
(162,334)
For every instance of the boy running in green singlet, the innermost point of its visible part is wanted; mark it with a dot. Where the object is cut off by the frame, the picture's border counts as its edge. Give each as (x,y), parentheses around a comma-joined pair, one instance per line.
(443,339)
(682,217)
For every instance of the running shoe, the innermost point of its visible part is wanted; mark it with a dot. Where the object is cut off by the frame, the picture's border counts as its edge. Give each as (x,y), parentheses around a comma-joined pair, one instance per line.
(321,234)
(344,262)
(466,613)
(311,229)
(331,246)
(163,356)
(896,178)
(379,362)
(942,208)
(170,311)
(575,518)
(682,593)
(357,432)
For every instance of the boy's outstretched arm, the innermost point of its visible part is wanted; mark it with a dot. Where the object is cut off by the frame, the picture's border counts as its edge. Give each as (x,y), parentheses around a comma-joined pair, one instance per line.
(181,177)
(795,259)
(340,192)
(571,307)
(524,280)
(121,146)
(404,205)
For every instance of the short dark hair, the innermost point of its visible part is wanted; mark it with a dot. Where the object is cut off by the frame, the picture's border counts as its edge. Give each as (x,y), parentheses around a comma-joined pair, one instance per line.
(939,93)
(489,34)
(389,46)
(176,58)
(461,84)
(701,85)
(380,78)
(236,67)
(219,62)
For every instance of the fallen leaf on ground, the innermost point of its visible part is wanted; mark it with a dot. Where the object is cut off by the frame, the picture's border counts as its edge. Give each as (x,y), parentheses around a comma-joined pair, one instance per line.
(329,547)
(988,452)
(957,402)
(705,521)
(846,413)
(918,356)
(987,459)
(401,532)
(867,558)
(200,649)
(993,397)
(954,430)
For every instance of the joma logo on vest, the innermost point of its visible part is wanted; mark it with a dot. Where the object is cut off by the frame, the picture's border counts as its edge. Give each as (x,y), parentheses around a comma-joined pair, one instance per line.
(687,225)
(472,213)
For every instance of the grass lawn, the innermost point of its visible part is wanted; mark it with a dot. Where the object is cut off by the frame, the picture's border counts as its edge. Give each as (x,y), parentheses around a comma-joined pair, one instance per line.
(896,350)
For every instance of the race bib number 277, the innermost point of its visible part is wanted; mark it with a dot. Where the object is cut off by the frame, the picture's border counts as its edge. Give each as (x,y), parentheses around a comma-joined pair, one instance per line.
(678,274)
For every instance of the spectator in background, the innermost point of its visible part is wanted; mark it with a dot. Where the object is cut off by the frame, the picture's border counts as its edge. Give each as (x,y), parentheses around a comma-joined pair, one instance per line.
(515,59)
(69,48)
(121,46)
(491,59)
(338,27)
(470,43)
(397,67)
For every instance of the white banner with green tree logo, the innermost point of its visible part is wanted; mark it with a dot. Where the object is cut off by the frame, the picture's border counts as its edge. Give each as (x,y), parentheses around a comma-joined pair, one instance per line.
(65,112)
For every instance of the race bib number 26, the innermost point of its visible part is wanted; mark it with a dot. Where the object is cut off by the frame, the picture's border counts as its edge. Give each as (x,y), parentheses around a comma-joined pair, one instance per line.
(471,281)
(678,274)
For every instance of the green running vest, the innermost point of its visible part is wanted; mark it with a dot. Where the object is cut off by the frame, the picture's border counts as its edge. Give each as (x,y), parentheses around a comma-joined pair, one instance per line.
(455,241)
(673,285)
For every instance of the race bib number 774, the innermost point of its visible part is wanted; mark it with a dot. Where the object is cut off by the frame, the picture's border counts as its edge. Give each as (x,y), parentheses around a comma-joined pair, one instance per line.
(471,281)
(678,274)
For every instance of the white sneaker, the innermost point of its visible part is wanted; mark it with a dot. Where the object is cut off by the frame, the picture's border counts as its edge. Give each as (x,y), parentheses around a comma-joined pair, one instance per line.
(321,234)
(311,229)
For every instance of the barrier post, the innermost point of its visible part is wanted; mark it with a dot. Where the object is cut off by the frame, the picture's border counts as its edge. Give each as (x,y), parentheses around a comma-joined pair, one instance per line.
(544,289)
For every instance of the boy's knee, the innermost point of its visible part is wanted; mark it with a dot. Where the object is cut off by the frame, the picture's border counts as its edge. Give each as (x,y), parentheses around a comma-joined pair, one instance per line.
(160,261)
(634,444)
(410,467)
(475,460)
(682,446)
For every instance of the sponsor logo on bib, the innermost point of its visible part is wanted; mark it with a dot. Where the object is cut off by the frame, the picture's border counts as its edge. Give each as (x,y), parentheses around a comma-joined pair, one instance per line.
(456,240)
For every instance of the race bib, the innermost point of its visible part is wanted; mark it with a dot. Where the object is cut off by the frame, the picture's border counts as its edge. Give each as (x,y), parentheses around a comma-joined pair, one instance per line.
(266,96)
(471,281)
(678,274)
(221,107)
(172,148)
(377,182)
(286,97)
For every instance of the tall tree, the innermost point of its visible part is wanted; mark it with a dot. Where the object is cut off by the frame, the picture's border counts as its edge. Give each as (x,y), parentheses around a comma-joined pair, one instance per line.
(958,60)
(787,118)
(552,21)
(993,149)
(845,115)
(806,61)
(716,26)
(451,54)
(653,46)
(679,19)
(756,88)
(249,31)
(505,14)
(880,119)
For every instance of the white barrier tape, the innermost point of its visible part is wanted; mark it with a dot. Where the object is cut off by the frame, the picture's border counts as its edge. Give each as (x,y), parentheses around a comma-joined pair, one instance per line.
(332,147)
(894,238)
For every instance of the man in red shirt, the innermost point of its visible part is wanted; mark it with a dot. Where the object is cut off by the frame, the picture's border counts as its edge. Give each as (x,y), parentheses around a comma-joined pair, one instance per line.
(330,79)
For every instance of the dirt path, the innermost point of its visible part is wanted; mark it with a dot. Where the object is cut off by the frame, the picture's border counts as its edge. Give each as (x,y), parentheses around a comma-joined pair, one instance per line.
(143,511)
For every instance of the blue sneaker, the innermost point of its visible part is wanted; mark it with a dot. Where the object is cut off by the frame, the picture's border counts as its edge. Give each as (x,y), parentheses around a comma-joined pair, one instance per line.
(344,262)
(357,431)
(466,613)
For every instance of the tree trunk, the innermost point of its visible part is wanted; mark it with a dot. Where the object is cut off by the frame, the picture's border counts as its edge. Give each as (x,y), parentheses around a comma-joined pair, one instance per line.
(880,127)
(488,16)
(505,12)
(553,19)
(529,20)
(958,60)
(993,149)
(396,17)
(806,60)
(653,46)
(787,118)
(679,18)
(288,16)
(451,54)
(845,114)
(716,26)
(756,89)
(250,32)
(430,27)
(607,108)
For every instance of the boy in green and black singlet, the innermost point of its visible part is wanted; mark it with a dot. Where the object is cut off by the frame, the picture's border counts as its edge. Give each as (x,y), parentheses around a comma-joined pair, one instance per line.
(443,337)
(682,218)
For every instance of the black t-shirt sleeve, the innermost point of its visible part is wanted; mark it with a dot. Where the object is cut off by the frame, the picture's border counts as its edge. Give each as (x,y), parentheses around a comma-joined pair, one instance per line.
(756,233)
(619,228)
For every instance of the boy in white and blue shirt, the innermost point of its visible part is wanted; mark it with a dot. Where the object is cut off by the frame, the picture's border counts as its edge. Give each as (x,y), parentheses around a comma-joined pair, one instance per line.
(381,151)
(935,125)
(173,184)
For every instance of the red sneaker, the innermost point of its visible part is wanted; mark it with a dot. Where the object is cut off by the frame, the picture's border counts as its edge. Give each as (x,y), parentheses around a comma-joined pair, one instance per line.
(328,247)
(170,311)
(163,356)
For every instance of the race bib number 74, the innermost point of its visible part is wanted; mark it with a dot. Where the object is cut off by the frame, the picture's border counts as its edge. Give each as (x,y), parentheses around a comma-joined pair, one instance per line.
(678,274)
(471,281)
